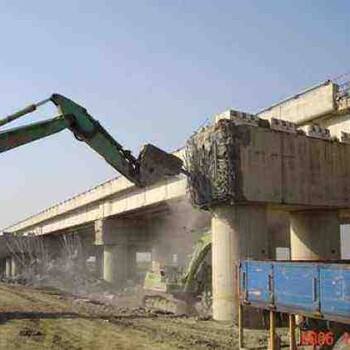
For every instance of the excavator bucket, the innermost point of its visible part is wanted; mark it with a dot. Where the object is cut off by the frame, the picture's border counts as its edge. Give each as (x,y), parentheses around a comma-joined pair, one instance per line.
(156,164)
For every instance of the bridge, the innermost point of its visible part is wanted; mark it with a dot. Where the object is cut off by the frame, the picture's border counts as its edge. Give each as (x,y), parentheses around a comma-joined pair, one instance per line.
(290,185)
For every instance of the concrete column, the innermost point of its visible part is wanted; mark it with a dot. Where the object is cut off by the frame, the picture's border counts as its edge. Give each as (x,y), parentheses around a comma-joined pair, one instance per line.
(2,267)
(115,264)
(119,239)
(315,234)
(8,267)
(99,261)
(132,264)
(238,232)
(13,267)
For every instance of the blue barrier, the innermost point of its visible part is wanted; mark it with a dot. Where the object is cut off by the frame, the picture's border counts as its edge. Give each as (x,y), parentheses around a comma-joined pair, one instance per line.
(313,289)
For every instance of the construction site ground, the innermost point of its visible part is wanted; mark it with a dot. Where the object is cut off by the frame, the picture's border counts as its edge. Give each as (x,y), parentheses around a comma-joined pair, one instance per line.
(33,318)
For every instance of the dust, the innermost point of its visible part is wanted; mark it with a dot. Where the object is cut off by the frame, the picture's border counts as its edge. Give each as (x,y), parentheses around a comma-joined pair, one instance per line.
(64,267)
(176,233)
(64,263)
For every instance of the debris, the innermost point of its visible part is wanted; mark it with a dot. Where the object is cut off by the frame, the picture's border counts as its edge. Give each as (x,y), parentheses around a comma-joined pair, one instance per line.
(30,332)
(213,163)
(65,269)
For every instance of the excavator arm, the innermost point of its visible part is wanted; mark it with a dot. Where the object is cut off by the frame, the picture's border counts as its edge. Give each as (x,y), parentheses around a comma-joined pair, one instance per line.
(151,165)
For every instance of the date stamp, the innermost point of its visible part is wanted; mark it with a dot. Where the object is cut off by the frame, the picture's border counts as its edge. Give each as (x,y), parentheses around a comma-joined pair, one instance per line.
(319,338)
(316,338)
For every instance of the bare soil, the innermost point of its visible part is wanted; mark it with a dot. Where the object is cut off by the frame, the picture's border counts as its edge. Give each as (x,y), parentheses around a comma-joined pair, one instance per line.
(48,319)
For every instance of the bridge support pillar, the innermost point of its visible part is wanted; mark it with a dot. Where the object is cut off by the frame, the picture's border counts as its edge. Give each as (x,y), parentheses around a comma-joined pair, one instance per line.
(99,260)
(115,264)
(238,232)
(8,267)
(119,254)
(2,267)
(315,234)
(131,263)
(14,267)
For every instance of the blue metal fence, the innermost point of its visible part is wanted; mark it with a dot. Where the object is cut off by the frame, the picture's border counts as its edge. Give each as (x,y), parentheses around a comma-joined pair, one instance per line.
(315,289)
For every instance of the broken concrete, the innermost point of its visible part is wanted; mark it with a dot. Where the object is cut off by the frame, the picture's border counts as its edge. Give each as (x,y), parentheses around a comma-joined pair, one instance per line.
(231,163)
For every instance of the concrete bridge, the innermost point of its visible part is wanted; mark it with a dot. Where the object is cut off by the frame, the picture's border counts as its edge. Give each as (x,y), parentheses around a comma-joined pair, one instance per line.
(116,197)
(282,206)
(116,220)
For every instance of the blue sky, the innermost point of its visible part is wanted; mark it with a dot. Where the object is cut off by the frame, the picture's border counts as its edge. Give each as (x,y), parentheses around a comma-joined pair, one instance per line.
(150,71)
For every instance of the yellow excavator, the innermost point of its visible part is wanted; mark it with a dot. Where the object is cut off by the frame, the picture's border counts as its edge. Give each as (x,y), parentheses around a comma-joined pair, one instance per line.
(151,165)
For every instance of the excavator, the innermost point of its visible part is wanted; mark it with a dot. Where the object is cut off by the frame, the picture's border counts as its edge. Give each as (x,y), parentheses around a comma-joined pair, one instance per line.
(152,164)
(169,290)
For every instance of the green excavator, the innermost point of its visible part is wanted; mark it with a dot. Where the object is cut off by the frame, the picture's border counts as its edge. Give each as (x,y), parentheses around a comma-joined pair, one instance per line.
(170,290)
(152,164)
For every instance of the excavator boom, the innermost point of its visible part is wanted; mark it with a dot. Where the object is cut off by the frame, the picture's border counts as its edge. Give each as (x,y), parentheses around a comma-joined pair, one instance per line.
(16,137)
(86,128)
(152,164)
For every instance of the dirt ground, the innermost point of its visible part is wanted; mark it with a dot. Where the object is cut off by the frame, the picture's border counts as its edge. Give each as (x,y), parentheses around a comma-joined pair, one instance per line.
(47,319)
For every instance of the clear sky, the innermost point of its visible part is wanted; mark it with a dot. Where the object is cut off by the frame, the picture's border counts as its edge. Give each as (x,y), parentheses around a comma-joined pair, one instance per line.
(150,71)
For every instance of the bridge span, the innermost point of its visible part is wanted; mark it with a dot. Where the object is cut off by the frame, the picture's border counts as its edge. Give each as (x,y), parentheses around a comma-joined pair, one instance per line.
(289,189)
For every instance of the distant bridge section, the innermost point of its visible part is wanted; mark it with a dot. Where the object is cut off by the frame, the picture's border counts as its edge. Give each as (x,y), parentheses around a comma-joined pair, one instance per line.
(326,104)
(112,198)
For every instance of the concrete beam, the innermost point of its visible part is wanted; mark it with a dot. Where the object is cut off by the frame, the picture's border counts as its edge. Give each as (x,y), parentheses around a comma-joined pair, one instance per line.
(245,163)
(306,106)
(106,200)
(120,203)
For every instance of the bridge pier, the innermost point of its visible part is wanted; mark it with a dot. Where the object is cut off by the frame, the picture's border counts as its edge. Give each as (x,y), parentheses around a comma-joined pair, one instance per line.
(99,260)
(131,266)
(14,267)
(8,273)
(238,231)
(115,261)
(11,268)
(119,255)
(2,267)
(315,235)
